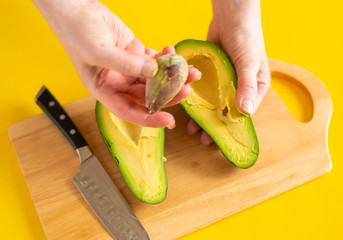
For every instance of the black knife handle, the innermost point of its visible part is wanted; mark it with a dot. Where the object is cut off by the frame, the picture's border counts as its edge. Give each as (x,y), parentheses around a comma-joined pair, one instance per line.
(58,115)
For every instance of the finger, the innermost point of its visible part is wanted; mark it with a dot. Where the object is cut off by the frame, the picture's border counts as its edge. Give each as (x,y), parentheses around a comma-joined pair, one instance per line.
(213,35)
(136,47)
(137,91)
(154,54)
(125,62)
(213,38)
(263,85)
(192,127)
(205,138)
(184,92)
(167,50)
(151,52)
(246,88)
(124,107)
(141,80)
(108,82)
(193,75)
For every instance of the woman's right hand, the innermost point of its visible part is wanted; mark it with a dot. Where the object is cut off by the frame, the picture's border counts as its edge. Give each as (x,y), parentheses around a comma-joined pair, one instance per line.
(110,61)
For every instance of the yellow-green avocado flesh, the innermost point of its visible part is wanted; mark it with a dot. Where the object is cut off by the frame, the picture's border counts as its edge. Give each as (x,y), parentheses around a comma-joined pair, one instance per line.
(212,103)
(139,154)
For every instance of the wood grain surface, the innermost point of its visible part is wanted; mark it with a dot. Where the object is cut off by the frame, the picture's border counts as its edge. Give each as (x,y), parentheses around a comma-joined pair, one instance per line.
(203,186)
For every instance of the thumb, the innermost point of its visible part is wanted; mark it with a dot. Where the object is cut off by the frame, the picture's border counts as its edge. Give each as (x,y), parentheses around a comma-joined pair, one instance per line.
(246,89)
(212,35)
(135,65)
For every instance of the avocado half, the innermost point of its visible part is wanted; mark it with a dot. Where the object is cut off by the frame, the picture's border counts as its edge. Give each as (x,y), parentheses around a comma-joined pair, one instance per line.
(212,103)
(138,152)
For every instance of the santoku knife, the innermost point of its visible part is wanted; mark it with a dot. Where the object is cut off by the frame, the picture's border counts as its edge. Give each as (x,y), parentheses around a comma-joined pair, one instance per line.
(92,180)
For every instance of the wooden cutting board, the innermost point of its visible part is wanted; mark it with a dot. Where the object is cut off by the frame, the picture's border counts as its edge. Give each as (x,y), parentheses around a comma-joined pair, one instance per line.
(203,186)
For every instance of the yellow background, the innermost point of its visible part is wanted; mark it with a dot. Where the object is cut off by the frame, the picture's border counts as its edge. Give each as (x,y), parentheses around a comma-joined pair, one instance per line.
(306,33)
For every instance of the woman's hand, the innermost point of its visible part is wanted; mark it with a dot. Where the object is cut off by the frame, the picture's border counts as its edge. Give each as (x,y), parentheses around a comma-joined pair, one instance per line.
(111,62)
(236,28)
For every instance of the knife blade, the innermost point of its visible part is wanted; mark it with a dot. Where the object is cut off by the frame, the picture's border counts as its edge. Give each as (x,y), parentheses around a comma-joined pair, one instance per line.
(92,180)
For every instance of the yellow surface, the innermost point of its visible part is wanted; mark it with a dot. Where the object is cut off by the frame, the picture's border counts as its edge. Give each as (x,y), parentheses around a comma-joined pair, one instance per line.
(306,33)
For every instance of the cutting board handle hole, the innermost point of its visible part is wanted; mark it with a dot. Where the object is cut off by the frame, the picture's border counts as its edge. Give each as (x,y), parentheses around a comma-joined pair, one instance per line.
(294,95)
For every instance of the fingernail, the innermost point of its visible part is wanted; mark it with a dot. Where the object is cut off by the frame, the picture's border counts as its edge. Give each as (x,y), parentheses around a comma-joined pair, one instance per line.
(189,91)
(248,106)
(149,68)
(171,126)
(199,75)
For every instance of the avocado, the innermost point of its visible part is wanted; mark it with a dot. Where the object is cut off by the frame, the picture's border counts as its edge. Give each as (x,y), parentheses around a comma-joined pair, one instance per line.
(138,152)
(212,103)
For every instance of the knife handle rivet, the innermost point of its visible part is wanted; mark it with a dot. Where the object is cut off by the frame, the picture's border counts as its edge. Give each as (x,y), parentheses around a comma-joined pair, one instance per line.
(62,117)
(51,103)
(72,131)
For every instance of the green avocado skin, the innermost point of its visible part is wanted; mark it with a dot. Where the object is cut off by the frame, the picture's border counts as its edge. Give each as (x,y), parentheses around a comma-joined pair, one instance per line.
(194,45)
(126,168)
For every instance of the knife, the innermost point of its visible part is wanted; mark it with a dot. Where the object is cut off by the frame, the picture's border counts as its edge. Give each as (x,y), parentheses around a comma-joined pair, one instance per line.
(92,180)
